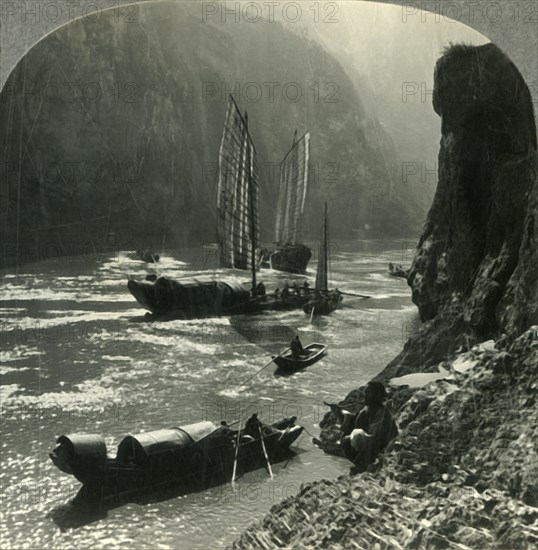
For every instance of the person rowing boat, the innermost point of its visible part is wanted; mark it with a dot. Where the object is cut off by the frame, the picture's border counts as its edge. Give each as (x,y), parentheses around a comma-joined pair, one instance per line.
(296,347)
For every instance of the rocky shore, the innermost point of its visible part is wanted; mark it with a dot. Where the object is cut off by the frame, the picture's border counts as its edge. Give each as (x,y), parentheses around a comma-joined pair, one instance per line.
(463,471)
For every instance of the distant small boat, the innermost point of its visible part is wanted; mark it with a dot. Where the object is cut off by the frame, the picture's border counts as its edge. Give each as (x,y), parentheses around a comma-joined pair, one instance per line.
(147,256)
(398,271)
(312,353)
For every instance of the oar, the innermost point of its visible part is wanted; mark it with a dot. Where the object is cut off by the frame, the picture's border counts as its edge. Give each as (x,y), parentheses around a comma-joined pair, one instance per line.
(233,423)
(265,452)
(264,367)
(312,314)
(236,455)
(353,294)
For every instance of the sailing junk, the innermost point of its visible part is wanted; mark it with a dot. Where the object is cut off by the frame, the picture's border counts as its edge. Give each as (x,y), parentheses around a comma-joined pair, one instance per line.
(237,230)
(325,301)
(291,255)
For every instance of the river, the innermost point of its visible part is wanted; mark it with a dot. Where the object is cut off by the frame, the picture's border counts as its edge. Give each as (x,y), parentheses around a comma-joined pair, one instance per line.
(73,360)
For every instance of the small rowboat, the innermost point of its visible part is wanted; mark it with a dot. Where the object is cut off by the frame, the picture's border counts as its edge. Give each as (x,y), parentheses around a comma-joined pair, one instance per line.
(311,354)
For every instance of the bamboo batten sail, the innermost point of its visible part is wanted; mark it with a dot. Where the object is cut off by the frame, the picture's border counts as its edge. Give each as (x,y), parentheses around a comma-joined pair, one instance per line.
(237,192)
(323,260)
(292,191)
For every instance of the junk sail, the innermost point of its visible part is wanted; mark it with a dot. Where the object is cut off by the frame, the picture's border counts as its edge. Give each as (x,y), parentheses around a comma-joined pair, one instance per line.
(292,192)
(291,255)
(237,192)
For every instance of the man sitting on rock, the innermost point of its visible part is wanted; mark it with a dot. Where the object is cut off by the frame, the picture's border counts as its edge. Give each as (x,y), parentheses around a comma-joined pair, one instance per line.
(372,429)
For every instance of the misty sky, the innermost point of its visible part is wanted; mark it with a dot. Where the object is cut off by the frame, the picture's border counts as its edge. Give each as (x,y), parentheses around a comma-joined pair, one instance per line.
(377,35)
(388,53)
(390,56)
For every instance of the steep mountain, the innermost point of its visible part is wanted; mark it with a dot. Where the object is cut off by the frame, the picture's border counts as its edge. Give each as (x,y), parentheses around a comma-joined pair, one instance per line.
(114,126)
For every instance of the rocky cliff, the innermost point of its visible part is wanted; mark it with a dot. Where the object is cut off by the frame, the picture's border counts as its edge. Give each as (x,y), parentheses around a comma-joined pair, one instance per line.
(114,126)
(474,273)
(479,242)
(462,472)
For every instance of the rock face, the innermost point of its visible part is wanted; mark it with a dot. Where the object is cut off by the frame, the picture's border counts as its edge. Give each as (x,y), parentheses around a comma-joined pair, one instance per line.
(463,469)
(474,273)
(115,126)
(479,245)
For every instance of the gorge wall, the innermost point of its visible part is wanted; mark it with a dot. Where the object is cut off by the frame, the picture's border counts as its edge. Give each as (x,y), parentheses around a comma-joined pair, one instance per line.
(474,273)
(481,227)
(114,127)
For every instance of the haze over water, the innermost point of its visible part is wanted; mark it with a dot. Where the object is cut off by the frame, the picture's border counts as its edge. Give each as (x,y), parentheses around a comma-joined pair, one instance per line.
(73,360)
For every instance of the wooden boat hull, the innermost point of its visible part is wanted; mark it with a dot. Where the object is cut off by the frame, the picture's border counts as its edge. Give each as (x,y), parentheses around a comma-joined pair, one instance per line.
(167,299)
(323,305)
(312,354)
(291,258)
(399,273)
(185,468)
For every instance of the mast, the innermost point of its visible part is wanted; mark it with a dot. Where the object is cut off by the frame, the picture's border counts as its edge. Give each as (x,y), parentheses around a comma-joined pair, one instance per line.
(251,215)
(322,270)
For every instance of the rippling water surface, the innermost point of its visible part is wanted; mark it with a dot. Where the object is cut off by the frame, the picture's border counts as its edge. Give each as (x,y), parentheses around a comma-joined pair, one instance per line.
(73,359)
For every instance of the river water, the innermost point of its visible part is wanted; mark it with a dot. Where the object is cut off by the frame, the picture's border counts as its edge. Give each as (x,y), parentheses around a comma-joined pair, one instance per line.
(73,360)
